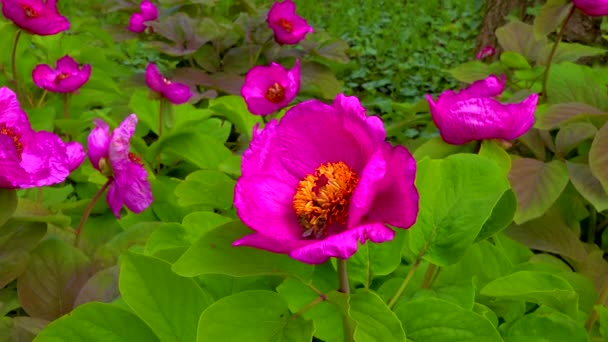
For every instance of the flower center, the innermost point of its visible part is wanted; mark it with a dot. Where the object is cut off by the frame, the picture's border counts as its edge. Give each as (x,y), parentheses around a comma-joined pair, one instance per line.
(63,76)
(276,93)
(286,25)
(13,135)
(30,12)
(166,81)
(135,158)
(323,198)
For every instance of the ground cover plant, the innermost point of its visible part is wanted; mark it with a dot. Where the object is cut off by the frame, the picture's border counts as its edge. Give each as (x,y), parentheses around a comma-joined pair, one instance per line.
(192,171)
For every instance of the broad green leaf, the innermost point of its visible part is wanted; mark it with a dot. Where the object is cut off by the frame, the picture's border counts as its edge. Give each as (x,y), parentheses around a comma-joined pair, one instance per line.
(107,255)
(588,186)
(519,37)
(537,186)
(550,16)
(436,320)
(569,82)
(235,110)
(571,52)
(26,328)
(492,150)
(165,204)
(514,60)
(200,222)
(472,71)
(55,274)
(535,287)
(17,239)
(598,156)
(8,204)
(208,188)
(562,113)
(167,236)
(486,313)
(569,136)
(461,294)
(168,303)
(200,149)
(501,218)
(545,324)
(101,287)
(147,111)
(97,322)
(603,320)
(216,245)
(8,300)
(375,321)
(252,316)
(436,148)
(319,80)
(457,196)
(372,260)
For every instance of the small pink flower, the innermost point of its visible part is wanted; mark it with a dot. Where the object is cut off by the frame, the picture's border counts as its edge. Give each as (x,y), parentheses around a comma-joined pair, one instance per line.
(29,158)
(323,180)
(473,113)
(288,27)
(67,77)
(595,8)
(487,51)
(109,153)
(270,88)
(35,16)
(176,93)
(149,12)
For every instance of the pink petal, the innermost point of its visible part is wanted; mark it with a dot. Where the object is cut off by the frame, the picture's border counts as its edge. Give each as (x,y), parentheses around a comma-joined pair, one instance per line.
(47,22)
(11,173)
(67,64)
(271,243)
(263,155)
(136,23)
(114,198)
(260,78)
(75,155)
(177,93)
(132,182)
(597,8)
(98,143)
(148,10)
(154,79)
(286,11)
(120,140)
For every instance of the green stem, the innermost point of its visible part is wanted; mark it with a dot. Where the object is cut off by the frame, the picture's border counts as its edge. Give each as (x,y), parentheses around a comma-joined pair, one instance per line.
(560,35)
(309,306)
(601,300)
(344,287)
(160,117)
(41,99)
(408,277)
(66,97)
(14,62)
(429,276)
(87,211)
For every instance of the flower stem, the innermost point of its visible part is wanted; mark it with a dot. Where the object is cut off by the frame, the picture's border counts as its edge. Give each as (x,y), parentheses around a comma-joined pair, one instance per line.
(14,62)
(42,97)
(408,277)
(87,211)
(160,117)
(429,276)
(344,287)
(309,306)
(560,35)
(66,96)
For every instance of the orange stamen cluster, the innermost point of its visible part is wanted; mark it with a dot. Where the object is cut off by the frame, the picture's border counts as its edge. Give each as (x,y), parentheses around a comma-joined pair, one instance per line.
(13,135)
(63,76)
(323,198)
(286,25)
(275,93)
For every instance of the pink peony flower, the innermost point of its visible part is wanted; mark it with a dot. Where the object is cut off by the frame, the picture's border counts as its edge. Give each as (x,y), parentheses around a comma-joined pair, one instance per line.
(473,114)
(28,158)
(149,12)
(487,51)
(596,8)
(323,180)
(176,93)
(67,77)
(270,88)
(109,153)
(35,16)
(287,26)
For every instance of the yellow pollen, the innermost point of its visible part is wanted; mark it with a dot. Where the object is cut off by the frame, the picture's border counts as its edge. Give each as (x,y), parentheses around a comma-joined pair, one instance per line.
(13,135)
(276,93)
(286,25)
(323,198)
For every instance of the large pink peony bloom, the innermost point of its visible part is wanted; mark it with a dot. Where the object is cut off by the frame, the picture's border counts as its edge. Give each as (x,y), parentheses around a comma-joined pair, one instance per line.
(149,12)
(176,93)
(596,8)
(35,16)
(270,88)
(323,180)
(67,77)
(473,113)
(28,158)
(287,26)
(109,153)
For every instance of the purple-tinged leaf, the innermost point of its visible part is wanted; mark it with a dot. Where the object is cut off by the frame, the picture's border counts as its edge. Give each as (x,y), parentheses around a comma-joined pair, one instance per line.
(598,156)
(8,204)
(550,16)
(180,30)
(17,239)
(519,37)
(588,186)
(571,135)
(562,113)
(101,287)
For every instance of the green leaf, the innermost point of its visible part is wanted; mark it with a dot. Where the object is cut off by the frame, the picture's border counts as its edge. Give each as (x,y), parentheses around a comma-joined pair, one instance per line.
(545,324)
(550,16)
(216,245)
(234,109)
(570,82)
(202,150)
(563,113)
(97,322)
(55,274)
(470,72)
(101,287)
(535,287)
(588,186)
(107,255)
(519,37)
(571,52)
(252,316)
(375,321)
(603,320)
(436,148)
(206,187)
(492,150)
(17,239)
(537,186)
(147,110)
(457,196)
(571,135)
(501,218)
(436,320)
(598,156)
(168,303)
(8,204)
(514,60)
(8,300)
(372,260)
(167,236)
(200,222)
(319,80)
